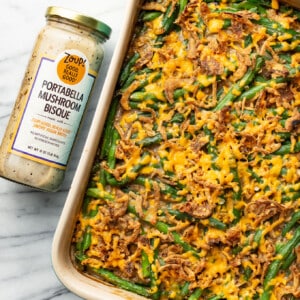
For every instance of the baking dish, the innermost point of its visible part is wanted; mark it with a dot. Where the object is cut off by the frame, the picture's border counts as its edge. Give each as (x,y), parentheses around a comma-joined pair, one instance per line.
(61,259)
(185,161)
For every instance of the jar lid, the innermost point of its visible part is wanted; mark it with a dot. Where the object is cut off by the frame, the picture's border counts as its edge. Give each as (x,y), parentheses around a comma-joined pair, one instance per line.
(80,19)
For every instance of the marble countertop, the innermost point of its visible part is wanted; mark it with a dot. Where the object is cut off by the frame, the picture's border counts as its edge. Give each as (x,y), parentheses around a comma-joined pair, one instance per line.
(28,218)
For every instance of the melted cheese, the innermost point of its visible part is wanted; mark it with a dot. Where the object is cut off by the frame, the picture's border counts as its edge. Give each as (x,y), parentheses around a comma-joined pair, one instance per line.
(215,25)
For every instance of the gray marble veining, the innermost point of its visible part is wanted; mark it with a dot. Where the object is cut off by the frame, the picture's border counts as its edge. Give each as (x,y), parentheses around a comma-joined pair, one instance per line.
(28,218)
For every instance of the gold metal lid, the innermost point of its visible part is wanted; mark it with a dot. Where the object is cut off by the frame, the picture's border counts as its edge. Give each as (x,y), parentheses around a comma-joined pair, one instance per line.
(80,19)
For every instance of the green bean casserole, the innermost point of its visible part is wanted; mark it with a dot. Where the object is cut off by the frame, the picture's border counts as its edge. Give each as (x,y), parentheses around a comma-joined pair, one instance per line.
(195,190)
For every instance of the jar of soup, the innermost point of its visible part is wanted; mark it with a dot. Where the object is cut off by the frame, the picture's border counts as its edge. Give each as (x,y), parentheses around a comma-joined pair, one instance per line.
(44,123)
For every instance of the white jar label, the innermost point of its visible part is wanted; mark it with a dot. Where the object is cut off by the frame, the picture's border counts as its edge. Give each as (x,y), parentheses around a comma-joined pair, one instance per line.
(54,109)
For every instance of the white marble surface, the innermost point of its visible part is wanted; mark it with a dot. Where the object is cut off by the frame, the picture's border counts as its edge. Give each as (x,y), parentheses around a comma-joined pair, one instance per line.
(28,218)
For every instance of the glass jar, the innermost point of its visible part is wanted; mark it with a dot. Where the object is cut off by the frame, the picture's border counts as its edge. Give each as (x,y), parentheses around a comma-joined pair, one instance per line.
(42,129)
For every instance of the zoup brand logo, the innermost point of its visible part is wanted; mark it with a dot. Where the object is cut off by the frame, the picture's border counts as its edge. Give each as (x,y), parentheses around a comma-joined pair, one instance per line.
(71,68)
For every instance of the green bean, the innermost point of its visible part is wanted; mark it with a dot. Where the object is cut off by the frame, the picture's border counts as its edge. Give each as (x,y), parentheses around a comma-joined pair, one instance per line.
(136,105)
(293,187)
(102,177)
(142,78)
(286,149)
(283,171)
(133,76)
(87,239)
(226,24)
(96,193)
(127,68)
(109,125)
(151,15)
(217,224)
(257,237)
(110,179)
(129,81)
(289,225)
(182,5)
(149,141)
(293,72)
(236,250)
(237,215)
(141,96)
(196,294)
(159,41)
(255,176)
(284,135)
(80,256)
(247,273)
(85,204)
(177,118)
(286,198)
(153,275)
(286,58)
(286,47)
(238,87)
(248,40)
(170,190)
(145,265)
(185,289)
(111,159)
(180,215)
(192,118)
(164,228)
(275,28)
(85,242)
(229,10)
(288,261)
(185,216)
(248,112)
(144,114)
(253,6)
(169,18)
(210,148)
(179,93)
(164,187)
(123,283)
(253,91)
(274,267)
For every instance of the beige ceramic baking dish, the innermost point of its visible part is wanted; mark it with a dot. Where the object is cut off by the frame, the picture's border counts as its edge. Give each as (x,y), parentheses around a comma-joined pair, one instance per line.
(78,283)
(61,259)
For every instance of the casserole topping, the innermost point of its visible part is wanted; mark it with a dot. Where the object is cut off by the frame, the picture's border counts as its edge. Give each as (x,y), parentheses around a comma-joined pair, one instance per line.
(195,190)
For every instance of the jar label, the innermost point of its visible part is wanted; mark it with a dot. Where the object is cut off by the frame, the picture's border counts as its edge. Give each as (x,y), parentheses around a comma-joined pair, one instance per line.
(54,109)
